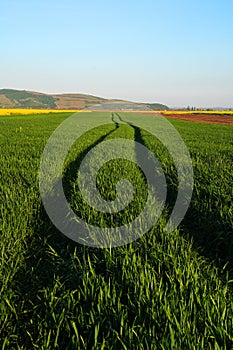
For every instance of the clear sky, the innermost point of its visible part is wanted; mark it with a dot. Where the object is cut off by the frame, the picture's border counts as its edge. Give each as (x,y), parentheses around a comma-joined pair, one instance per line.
(176,52)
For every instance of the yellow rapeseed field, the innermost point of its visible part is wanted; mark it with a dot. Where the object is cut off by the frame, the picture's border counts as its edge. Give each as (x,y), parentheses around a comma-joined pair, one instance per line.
(24,111)
(198,112)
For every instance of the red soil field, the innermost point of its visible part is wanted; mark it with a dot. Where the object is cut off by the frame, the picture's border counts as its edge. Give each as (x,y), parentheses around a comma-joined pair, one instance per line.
(203,118)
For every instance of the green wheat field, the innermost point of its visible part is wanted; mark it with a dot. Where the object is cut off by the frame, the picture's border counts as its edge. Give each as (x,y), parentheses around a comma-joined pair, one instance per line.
(163,291)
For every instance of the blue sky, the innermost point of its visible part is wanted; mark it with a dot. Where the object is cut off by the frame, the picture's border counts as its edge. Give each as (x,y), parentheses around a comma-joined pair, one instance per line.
(175,52)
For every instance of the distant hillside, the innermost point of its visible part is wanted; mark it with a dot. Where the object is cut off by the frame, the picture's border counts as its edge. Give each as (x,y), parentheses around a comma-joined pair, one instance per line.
(10,98)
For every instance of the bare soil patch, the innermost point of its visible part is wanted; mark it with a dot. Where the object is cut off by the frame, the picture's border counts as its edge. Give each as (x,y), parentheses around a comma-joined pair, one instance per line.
(203,118)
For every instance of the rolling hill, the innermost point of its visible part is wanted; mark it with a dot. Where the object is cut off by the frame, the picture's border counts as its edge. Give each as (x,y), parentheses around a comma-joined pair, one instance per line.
(10,98)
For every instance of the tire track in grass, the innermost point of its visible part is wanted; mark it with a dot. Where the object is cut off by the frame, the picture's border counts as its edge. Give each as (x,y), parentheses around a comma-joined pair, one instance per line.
(71,171)
(171,180)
